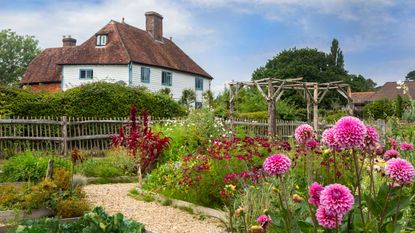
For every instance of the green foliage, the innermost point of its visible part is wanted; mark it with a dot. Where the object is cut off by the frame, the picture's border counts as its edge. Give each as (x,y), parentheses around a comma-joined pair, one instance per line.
(409,114)
(29,167)
(385,108)
(410,75)
(314,66)
(188,134)
(96,221)
(249,103)
(98,99)
(16,52)
(188,97)
(55,194)
(109,166)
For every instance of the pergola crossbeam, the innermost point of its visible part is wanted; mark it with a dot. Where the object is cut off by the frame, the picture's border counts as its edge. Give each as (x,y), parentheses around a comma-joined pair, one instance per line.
(276,88)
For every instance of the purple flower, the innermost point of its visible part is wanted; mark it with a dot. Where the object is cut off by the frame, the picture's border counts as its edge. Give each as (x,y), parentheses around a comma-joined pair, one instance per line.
(407,146)
(389,154)
(371,139)
(349,132)
(400,170)
(277,164)
(328,138)
(336,199)
(264,220)
(303,133)
(327,220)
(314,191)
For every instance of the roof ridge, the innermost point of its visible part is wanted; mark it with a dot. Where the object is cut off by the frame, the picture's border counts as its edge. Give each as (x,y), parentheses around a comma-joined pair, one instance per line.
(121,40)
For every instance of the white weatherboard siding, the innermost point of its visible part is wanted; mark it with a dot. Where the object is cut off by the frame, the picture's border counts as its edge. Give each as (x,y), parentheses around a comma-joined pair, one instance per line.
(108,73)
(180,81)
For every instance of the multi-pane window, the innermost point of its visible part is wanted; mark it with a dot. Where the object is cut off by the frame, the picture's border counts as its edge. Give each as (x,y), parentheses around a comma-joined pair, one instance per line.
(199,83)
(86,73)
(166,78)
(101,40)
(145,74)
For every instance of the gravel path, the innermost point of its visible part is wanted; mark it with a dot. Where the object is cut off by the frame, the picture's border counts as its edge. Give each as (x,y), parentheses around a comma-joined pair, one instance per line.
(162,219)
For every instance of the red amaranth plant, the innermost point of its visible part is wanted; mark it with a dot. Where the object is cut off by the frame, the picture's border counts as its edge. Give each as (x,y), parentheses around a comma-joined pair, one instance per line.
(141,142)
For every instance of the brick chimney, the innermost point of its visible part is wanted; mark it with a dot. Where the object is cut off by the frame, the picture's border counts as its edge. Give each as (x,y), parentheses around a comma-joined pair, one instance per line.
(154,25)
(68,41)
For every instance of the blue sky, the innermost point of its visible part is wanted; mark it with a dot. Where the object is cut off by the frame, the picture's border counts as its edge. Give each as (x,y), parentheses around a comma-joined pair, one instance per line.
(231,38)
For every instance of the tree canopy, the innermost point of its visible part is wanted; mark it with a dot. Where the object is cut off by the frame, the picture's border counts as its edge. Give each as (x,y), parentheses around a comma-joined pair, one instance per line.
(314,66)
(16,52)
(410,76)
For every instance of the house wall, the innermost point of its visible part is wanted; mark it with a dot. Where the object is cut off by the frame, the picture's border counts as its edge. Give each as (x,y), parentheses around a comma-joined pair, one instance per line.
(108,73)
(180,81)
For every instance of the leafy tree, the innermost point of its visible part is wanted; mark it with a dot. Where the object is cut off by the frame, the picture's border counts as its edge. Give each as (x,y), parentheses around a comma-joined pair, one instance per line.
(188,97)
(314,66)
(359,83)
(410,76)
(16,52)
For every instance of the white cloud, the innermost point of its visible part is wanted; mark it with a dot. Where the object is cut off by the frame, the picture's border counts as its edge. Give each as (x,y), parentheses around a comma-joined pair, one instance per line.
(82,20)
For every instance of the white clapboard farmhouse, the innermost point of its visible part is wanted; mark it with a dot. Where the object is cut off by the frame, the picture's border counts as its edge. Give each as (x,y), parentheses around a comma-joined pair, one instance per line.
(119,53)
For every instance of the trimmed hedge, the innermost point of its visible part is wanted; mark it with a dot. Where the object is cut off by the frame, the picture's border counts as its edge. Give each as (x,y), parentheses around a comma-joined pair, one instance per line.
(97,99)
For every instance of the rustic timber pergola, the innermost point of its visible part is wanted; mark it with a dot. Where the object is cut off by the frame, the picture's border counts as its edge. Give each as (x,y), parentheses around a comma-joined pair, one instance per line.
(272,89)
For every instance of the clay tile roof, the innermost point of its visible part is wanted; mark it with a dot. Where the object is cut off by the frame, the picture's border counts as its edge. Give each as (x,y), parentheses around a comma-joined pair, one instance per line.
(390,90)
(43,68)
(127,43)
(361,97)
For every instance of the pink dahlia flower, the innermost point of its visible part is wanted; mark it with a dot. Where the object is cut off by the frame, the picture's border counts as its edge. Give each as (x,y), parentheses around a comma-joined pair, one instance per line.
(327,220)
(392,142)
(389,154)
(277,164)
(407,146)
(372,138)
(328,138)
(264,220)
(400,170)
(349,132)
(336,199)
(303,133)
(314,191)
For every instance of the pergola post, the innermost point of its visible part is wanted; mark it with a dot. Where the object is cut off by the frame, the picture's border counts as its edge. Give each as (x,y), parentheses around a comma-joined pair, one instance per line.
(315,107)
(231,109)
(350,104)
(272,126)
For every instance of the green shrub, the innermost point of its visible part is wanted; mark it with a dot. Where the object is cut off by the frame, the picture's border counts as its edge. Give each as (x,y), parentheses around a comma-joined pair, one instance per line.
(385,108)
(110,166)
(29,167)
(96,221)
(188,134)
(97,99)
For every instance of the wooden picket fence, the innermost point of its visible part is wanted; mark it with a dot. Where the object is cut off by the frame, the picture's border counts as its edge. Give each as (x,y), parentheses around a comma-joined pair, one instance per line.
(285,129)
(62,134)
(59,134)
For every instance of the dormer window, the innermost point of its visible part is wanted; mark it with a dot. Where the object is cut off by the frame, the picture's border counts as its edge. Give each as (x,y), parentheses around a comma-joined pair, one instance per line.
(101,40)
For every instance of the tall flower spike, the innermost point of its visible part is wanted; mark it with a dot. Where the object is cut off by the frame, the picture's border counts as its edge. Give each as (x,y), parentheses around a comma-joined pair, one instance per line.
(349,132)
